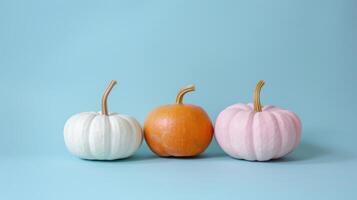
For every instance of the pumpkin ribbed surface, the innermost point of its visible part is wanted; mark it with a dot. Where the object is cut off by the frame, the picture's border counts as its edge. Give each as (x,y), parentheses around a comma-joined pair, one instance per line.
(91,135)
(245,134)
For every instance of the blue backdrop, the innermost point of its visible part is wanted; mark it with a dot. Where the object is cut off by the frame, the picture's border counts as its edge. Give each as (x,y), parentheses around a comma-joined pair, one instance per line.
(56,58)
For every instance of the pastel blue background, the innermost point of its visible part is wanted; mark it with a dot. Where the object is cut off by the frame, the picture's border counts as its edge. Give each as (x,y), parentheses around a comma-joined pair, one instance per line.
(56,58)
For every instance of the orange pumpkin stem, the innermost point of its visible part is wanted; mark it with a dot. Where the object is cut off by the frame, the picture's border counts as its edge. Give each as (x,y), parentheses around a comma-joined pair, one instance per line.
(183,91)
(105,97)
(257,103)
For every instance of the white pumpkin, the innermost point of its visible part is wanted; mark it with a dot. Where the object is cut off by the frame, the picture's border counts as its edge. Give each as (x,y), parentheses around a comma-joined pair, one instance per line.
(102,136)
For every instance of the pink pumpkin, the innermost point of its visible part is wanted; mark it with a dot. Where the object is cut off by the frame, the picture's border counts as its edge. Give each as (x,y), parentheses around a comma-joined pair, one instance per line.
(253,132)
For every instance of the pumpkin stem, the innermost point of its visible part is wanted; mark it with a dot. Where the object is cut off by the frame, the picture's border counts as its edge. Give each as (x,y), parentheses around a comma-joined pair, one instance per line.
(183,91)
(257,104)
(105,97)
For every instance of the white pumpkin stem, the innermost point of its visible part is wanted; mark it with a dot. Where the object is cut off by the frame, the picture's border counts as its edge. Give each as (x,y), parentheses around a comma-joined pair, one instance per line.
(183,91)
(105,97)
(257,103)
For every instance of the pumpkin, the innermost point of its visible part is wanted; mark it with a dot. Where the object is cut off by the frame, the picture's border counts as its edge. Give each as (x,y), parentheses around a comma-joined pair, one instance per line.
(178,130)
(255,132)
(102,136)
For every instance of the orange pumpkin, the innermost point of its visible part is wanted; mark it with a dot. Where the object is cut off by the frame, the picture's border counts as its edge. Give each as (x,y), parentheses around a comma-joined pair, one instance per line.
(179,130)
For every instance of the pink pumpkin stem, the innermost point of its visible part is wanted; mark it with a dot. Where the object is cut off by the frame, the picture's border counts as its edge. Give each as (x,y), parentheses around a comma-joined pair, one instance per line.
(257,103)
